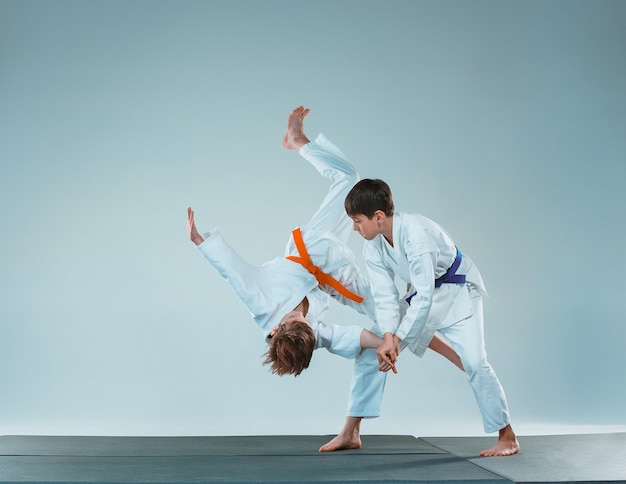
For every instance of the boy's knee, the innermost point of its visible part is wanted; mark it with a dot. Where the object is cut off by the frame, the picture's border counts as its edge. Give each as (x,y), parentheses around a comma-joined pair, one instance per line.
(475,367)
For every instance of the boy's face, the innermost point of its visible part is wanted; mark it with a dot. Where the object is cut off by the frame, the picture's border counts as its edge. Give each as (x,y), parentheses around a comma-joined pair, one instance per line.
(368,228)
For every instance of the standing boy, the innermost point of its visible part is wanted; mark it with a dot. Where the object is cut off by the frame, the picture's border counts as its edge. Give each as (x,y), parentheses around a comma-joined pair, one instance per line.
(287,291)
(446,297)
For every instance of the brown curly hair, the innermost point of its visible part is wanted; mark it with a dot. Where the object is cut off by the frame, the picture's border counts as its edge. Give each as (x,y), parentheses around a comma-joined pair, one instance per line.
(290,349)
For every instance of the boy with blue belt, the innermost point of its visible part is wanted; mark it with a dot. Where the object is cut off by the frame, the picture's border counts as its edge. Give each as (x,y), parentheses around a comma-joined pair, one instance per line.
(288,296)
(446,297)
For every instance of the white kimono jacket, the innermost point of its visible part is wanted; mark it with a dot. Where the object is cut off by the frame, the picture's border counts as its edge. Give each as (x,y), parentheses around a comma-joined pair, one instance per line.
(279,285)
(421,253)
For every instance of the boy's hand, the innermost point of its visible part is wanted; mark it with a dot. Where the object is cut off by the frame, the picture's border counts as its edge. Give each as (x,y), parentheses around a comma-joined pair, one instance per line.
(388,352)
(195,237)
(385,367)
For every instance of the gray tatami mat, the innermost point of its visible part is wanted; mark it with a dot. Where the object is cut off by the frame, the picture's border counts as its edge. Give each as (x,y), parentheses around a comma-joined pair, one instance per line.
(548,458)
(176,446)
(264,459)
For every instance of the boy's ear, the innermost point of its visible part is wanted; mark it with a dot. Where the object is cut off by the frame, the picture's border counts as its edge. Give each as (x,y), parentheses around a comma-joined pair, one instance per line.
(379,216)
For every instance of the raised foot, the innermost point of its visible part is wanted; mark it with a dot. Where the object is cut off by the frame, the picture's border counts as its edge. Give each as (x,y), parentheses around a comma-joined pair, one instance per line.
(341,443)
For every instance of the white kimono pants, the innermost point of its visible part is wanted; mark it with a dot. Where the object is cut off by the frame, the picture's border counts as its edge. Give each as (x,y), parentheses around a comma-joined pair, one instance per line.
(368,384)
(467,339)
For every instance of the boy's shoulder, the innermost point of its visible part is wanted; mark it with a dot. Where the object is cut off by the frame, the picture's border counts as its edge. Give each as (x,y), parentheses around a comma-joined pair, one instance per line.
(416,230)
(409,222)
(405,218)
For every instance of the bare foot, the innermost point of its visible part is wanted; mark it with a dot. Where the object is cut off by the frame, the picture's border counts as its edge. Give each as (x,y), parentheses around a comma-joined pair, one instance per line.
(348,438)
(295,138)
(507,444)
(341,443)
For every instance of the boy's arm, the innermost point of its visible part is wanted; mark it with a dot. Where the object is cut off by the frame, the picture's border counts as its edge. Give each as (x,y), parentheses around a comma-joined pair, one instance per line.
(388,351)
(422,270)
(413,324)
(371,340)
(385,293)
(383,289)
(414,327)
(241,276)
(338,339)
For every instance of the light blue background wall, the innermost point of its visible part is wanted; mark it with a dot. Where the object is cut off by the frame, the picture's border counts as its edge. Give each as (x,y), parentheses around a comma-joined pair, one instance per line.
(504,121)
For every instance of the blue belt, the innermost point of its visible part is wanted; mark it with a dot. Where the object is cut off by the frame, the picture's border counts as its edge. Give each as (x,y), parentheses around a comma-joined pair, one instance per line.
(450,277)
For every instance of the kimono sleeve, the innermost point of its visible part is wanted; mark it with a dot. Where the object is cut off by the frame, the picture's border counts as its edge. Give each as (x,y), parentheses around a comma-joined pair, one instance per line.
(230,265)
(414,328)
(243,278)
(384,290)
(340,340)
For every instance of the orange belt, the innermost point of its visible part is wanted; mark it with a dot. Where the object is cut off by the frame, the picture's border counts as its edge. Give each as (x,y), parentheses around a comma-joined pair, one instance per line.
(321,276)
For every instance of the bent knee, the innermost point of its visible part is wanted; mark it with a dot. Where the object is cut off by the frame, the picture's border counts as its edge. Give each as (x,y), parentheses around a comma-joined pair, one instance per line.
(475,368)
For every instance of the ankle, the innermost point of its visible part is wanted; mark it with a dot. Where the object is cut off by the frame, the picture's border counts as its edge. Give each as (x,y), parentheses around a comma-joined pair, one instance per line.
(506,433)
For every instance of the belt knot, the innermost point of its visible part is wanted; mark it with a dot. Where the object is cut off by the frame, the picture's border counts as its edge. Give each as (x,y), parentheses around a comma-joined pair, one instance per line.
(322,278)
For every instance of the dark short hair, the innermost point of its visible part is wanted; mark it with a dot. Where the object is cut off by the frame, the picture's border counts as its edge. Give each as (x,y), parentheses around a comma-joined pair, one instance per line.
(290,349)
(368,196)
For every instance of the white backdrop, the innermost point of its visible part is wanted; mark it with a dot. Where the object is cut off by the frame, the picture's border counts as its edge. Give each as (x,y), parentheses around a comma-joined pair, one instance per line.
(503,121)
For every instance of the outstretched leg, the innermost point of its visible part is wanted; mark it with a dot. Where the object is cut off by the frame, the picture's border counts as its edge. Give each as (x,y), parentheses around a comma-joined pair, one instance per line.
(295,138)
(348,438)
(441,346)
(366,392)
(467,338)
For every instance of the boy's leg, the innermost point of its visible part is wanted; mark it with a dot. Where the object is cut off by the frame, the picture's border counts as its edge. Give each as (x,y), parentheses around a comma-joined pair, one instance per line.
(467,338)
(366,394)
